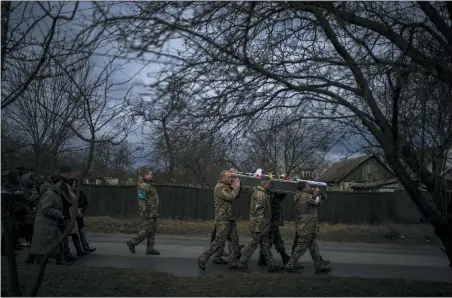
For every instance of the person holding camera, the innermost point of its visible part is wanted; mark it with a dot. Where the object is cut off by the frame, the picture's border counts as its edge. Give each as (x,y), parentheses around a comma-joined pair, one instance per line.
(307,200)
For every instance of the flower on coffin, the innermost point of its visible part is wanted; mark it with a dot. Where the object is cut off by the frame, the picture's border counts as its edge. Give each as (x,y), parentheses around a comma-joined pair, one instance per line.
(258,173)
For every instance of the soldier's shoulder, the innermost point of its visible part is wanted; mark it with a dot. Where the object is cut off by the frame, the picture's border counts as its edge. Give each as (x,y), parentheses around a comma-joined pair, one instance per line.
(305,195)
(221,186)
(143,185)
(261,194)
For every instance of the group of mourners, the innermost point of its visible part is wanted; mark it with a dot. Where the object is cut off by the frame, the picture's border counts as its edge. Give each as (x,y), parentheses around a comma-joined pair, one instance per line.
(264,221)
(42,211)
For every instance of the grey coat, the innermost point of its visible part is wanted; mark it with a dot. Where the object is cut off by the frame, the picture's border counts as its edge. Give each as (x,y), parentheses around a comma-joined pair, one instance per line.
(46,231)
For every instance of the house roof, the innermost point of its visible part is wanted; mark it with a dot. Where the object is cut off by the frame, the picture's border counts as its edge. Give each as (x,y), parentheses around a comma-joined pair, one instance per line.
(378,183)
(339,170)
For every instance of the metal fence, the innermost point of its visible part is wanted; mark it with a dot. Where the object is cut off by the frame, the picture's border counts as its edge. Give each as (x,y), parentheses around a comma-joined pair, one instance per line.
(193,203)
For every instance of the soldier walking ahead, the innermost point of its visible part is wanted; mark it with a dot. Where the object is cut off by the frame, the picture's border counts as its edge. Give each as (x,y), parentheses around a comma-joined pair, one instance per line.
(148,202)
(306,223)
(224,193)
(259,225)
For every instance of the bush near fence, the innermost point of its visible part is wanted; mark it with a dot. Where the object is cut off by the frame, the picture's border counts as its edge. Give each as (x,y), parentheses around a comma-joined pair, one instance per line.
(177,202)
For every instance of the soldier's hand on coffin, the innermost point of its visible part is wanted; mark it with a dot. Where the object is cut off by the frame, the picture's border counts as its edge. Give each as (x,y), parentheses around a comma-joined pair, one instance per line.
(315,191)
(236,183)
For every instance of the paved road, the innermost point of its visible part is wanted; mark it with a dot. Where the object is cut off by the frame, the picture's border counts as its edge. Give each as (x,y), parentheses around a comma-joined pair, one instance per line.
(178,257)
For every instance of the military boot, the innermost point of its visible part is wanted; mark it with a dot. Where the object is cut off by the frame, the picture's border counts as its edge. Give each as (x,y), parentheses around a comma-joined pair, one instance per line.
(299,266)
(201,264)
(239,267)
(285,257)
(131,246)
(262,261)
(152,252)
(294,269)
(322,270)
(219,261)
(276,268)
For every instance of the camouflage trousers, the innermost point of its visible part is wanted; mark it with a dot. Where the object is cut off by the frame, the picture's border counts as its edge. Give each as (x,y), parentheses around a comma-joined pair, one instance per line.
(220,250)
(303,242)
(256,239)
(147,232)
(274,237)
(224,230)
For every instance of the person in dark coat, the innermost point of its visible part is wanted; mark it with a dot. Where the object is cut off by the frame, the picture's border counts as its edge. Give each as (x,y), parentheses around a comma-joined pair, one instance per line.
(16,206)
(65,171)
(49,218)
(83,205)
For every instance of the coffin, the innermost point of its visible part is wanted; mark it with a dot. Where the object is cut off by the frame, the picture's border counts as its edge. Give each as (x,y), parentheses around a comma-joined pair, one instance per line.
(279,185)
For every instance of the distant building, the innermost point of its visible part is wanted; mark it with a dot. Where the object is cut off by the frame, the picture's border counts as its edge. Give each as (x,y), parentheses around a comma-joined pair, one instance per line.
(364,173)
(382,185)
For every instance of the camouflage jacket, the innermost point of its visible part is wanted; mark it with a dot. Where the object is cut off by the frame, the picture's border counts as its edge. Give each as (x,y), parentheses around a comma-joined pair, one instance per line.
(260,211)
(148,199)
(277,209)
(223,196)
(306,214)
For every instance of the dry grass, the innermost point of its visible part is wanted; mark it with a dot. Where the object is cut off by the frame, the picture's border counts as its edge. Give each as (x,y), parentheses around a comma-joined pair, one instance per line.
(384,233)
(77,281)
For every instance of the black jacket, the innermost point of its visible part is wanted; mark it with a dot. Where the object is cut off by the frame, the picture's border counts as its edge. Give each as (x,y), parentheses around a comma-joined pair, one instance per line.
(83,202)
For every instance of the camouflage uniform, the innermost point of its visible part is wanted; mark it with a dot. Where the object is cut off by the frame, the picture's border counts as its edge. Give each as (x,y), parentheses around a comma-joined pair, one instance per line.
(275,234)
(220,251)
(306,225)
(224,195)
(148,202)
(259,226)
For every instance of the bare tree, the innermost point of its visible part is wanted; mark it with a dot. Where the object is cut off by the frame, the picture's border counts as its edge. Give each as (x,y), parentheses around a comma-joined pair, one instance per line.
(36,116)
(160,107)
(285,147)
(30,39)
(112,160)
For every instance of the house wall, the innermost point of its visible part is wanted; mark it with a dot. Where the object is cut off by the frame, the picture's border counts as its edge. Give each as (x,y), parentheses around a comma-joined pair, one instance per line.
(339,186)
(370,170)
(382,188)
